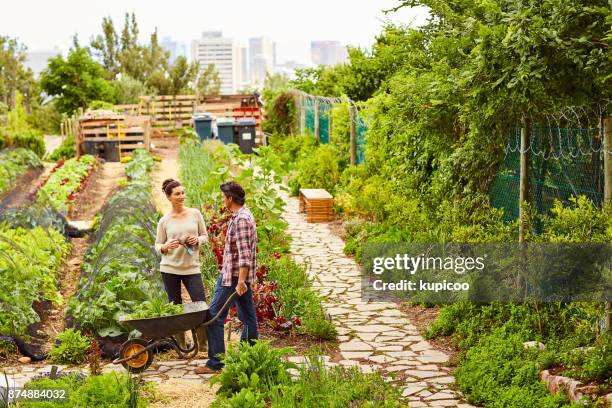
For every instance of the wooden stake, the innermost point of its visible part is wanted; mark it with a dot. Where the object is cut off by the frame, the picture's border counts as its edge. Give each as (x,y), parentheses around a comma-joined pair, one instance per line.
(524,177)
(607,145)
(353,135)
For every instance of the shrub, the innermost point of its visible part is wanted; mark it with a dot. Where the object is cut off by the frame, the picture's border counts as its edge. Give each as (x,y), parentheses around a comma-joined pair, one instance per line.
(72,347)
(259,367)
(320,169)
(499,372)
(29,139)
(594,363)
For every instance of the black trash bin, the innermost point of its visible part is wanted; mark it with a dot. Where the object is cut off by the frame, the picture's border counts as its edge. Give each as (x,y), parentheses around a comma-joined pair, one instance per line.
(245,131)
(202,123)
(225,128)
(90,147)
(111,151)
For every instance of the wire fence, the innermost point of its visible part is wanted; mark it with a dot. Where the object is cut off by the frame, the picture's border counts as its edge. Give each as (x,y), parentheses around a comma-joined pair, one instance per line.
(566,159)
(315,114)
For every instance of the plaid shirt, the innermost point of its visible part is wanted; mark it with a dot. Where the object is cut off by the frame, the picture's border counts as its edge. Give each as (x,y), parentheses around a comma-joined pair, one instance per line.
(240,246)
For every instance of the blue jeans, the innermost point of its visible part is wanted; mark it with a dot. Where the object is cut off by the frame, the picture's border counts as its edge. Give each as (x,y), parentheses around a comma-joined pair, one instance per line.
(246,314)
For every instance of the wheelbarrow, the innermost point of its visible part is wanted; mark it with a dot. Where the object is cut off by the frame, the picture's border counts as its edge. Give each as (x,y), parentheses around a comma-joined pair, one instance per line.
(136,354)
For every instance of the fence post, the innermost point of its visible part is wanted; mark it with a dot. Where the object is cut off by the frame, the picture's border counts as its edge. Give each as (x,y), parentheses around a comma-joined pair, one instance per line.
(353,134)
(302,116)
(317,130)
(524,176)
(607,145)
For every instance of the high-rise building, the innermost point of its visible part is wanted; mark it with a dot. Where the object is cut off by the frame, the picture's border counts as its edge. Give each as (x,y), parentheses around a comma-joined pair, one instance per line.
(176,48)
(262,59)
(328,53)
(224,53)
(38,60)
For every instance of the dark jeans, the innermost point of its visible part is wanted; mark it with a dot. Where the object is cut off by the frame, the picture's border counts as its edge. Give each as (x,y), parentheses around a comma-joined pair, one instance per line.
(193,284)
(246,314)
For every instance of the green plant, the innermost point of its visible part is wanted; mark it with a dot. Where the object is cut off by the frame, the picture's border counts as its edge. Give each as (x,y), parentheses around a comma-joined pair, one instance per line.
(156,307)
(61,187)
(320,169)
(72,347)
(259,367)
(29,139)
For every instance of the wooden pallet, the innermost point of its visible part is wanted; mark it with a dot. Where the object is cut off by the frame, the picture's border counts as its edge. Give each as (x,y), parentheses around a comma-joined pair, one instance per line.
(317,204)
(131,132)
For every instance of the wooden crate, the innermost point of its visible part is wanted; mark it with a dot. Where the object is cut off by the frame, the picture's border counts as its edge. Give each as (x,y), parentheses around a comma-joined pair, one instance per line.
(169,113)
(132,132)
(317,204)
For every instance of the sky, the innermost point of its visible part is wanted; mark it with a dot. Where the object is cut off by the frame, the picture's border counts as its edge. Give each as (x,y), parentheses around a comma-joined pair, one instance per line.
(45,25)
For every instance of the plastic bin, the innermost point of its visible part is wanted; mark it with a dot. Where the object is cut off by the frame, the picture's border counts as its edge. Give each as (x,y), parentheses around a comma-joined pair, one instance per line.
(111,151)
(245,131)
(202,123)
(225,128)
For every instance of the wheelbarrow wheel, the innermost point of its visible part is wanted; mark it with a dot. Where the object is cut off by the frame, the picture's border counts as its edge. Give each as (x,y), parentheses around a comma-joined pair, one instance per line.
(137,364)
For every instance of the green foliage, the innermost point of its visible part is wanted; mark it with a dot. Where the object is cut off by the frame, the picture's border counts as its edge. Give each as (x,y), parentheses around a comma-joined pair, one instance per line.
(580,221)
(67,150)
(156,307)
(208,82)
(317,385)
(129,90)
(13,163)
(318,170)
(31,140)
(499,372)
(292,149)
(117,273)
(63,183)
(106,390)
(593,363)
(30,266)
(72,347)
(75,81)
(46,118)
(15,78)
(259,367)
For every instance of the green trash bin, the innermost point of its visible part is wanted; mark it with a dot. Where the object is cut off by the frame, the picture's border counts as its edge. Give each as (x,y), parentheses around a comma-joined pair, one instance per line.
(202,123)
(225,129)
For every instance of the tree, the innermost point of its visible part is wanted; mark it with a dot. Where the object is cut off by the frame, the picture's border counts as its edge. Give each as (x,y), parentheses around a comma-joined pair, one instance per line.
(209,82)
(128,90)
(182,76)
(14,77)
(106,47)
(76,81)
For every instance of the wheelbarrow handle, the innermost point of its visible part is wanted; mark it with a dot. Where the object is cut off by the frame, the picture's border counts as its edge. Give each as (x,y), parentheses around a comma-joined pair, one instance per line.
(227,303)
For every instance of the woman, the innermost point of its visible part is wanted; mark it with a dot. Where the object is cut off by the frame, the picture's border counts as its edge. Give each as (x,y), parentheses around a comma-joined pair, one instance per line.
(179,236)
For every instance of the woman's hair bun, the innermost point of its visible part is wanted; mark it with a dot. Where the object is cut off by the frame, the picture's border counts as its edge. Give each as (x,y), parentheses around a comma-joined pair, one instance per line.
(169,184)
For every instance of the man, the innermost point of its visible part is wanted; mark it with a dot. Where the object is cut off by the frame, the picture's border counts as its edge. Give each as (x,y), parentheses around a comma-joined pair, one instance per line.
(237,275)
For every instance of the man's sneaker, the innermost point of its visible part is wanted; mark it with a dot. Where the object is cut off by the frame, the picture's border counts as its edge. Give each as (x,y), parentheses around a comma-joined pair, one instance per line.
(206,370)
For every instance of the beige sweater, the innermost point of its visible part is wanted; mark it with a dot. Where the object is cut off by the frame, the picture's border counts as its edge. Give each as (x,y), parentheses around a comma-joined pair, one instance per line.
(178,261)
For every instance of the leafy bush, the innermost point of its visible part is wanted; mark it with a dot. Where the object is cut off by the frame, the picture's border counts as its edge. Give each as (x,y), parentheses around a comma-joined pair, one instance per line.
(259,367)
(106,390)
(72,347)
(499,372)
(317,385)
(594,363)
(7,346)
(29,139)
(13,163)
(30,265)
(320,169)
(67,150)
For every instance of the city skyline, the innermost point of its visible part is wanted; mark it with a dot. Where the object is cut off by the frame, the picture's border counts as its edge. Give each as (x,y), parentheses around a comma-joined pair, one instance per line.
(292,28)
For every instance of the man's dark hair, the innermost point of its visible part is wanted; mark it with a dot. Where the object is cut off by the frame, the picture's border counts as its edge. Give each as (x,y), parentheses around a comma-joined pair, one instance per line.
(233,190)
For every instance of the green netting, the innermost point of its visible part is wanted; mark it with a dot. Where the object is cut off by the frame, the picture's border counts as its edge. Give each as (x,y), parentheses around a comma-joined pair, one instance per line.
(324,113)
(361,130)
(564,163)
(308,107)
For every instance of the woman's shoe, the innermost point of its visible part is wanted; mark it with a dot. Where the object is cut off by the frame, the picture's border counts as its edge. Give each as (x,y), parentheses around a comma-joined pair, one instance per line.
(206,370)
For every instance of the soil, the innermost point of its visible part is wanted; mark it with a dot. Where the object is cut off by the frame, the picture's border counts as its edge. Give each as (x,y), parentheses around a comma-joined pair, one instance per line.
(100,185)
(19,195)
(167,150)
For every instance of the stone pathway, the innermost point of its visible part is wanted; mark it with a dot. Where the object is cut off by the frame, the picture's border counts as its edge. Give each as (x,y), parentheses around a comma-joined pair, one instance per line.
(374,335)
